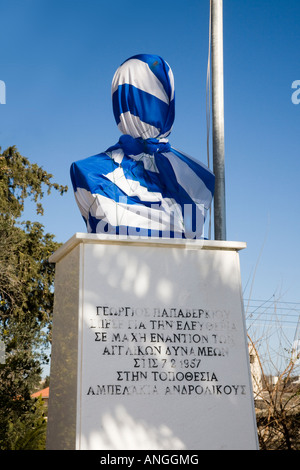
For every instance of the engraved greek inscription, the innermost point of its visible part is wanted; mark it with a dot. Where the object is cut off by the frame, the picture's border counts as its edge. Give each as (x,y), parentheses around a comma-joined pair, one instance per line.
(163,349)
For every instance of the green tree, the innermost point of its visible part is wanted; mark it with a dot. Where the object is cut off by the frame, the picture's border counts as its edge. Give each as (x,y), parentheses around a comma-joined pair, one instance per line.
(26,295)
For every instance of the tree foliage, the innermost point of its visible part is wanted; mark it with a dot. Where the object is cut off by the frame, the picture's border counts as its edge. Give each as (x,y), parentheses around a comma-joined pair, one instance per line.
(26,292)
(20,179)
(277,402)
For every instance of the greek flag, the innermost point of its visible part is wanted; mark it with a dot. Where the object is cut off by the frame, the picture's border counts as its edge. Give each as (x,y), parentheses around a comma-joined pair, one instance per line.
(142,186)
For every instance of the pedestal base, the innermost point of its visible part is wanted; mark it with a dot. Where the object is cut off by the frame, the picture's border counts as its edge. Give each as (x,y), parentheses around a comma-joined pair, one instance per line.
(149,346)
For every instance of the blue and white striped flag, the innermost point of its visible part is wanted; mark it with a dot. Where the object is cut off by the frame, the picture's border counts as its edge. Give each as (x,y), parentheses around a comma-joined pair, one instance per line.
(142,186)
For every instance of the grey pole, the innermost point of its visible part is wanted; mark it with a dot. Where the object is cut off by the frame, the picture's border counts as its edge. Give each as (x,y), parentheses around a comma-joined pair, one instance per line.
(218,118)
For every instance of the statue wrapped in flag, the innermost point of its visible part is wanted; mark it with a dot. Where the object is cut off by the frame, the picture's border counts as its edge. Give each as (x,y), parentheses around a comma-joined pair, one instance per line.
(141,186)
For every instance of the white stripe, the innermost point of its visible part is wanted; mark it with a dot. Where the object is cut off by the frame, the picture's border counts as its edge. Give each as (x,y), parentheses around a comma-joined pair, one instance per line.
(132,125)
(84,200)
(137,73)
(134,215)
(147,160)
(190,182)
(155,218)
(132,188)
(171,77)
(117,155)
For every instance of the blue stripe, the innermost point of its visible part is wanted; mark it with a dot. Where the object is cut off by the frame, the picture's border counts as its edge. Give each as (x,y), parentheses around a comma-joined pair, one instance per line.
(87,173)
(147,107)
(135,171)
(83,175)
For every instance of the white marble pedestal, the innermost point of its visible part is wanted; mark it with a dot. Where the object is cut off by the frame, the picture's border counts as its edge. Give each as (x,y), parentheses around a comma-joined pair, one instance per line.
(149,346)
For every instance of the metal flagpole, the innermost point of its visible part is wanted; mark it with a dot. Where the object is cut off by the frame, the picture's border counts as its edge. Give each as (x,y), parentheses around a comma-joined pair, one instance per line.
(218,118)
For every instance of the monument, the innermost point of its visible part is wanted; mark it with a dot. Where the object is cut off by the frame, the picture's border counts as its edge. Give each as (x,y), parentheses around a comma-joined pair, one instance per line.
(142,186)
(149,341)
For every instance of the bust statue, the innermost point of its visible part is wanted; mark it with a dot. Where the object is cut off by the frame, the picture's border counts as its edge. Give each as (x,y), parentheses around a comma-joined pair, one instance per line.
(141,186)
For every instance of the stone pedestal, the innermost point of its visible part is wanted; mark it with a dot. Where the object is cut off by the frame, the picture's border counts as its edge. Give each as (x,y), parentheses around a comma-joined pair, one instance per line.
(149,346)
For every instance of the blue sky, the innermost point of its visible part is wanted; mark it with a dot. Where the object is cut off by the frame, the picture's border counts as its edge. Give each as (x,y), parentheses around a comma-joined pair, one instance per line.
(58,57)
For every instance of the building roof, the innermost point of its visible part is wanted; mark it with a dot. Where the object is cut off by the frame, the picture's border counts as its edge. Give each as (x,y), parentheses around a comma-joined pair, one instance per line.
(44,393)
